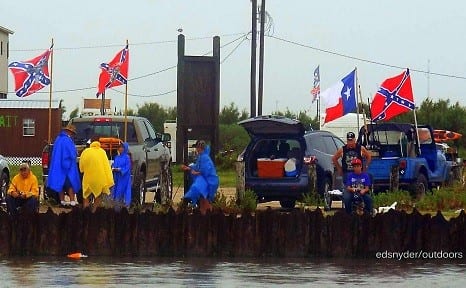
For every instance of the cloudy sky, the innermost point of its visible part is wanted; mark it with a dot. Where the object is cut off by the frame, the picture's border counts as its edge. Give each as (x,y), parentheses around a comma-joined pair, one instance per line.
(380,38)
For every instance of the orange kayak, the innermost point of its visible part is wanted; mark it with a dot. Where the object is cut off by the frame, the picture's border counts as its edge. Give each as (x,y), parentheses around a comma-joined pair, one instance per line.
(76,255)
(445,135)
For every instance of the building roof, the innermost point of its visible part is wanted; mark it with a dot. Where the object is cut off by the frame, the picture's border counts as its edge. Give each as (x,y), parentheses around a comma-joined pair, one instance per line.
(37,104)
(6,30)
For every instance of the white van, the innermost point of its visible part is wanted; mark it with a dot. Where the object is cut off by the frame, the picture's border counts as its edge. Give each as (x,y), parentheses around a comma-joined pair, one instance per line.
(344,124)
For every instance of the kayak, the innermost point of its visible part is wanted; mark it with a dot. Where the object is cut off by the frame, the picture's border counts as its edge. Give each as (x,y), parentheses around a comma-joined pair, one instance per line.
(446,135)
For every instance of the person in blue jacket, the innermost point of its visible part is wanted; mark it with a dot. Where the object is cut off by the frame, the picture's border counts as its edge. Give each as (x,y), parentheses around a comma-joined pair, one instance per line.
(121,169)
(205,181)
(63,173)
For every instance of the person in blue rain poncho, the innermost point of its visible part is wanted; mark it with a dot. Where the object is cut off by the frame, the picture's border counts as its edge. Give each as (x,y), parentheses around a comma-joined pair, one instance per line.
(204,178)
(121,169)
(63,173)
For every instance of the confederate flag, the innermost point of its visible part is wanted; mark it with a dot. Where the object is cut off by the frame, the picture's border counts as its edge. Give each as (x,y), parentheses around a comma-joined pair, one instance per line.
(31,75)
(394,97)
(114,73)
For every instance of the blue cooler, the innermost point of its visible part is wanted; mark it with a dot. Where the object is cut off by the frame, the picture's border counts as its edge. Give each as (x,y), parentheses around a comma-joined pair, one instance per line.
(290,168)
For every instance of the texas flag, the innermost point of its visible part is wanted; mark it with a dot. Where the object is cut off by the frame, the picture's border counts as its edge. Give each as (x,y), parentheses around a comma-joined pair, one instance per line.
(340,99)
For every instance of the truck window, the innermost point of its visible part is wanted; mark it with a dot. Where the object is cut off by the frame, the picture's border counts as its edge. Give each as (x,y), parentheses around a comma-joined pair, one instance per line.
(89,130)
(131,137)
(151,130)
(144,133)
(424,135)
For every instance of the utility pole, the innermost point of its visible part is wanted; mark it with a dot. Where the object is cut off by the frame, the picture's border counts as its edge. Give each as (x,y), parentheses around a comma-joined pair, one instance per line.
(261,59)
(253,56)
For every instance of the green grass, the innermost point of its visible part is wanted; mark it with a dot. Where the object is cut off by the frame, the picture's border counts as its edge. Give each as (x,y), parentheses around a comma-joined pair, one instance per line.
(36,169)
(227,177)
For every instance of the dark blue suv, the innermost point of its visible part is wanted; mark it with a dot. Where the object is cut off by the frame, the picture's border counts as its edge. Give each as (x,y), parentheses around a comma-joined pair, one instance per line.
(278,156)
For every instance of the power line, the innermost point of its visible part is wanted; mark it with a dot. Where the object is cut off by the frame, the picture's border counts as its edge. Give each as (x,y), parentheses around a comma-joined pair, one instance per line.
(234,49)
(120,44)
(146,96)
(243,37)
(365,60)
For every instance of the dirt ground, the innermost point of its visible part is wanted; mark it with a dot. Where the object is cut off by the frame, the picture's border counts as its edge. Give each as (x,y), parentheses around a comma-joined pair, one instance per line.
(228,192)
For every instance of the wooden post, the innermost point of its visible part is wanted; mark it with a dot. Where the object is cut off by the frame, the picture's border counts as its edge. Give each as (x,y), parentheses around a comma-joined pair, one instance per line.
(240,182)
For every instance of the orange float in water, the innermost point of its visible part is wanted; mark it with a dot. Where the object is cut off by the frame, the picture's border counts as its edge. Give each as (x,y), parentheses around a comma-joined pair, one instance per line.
(76,255)
(445,135)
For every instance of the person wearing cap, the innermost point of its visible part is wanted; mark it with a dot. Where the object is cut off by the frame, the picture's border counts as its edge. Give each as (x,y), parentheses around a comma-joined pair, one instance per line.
(205,179)
(357,183)
(23,191)
(347,153)
(63,173)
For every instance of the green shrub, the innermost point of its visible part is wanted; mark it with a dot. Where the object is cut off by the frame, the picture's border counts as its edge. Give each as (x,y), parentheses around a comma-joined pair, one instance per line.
(248,203)
(222,203)
(443,199)
(311,199)
(403,199)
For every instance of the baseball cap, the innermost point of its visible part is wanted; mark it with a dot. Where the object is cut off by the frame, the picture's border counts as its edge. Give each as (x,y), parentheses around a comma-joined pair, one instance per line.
(356,161)
(350,135)
(23,166)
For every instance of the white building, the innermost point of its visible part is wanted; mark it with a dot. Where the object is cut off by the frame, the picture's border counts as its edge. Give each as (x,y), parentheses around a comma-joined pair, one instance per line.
(4,53)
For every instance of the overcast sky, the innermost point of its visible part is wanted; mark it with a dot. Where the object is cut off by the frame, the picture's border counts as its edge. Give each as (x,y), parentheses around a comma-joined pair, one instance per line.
(380,38)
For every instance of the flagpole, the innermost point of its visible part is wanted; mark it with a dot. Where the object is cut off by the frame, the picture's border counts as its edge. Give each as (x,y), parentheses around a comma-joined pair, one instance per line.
(318,101)
(50,96)
(357,101)
(126,100)
(415,125)
(318,110)
(362,107)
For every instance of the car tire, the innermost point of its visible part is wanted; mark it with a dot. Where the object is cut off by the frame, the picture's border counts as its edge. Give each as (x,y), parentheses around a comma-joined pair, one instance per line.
(4,181)
(326,195)
(164,194)
(139,189)
(420,187)
(288,204)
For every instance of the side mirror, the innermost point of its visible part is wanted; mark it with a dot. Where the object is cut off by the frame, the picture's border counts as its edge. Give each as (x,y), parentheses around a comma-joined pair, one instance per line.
(166,137)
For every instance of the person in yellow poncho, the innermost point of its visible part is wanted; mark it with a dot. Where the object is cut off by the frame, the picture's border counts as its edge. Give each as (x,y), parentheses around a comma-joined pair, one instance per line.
(23,191)
(97,174)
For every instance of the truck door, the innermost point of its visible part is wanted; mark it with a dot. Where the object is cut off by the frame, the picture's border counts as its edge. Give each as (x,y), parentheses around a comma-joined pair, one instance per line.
(154,151)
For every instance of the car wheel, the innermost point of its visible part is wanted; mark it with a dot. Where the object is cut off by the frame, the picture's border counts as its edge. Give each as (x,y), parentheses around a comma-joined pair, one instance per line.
(288,204)
(326,195)
(420,187)
(164,194)
(140,189)
(4,181)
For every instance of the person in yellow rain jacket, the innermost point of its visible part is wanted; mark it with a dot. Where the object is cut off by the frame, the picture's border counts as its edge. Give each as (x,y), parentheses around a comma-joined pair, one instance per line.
(97,174)
(23,191)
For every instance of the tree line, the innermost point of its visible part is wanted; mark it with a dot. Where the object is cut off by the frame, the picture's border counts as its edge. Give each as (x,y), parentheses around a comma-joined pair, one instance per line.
(440,114)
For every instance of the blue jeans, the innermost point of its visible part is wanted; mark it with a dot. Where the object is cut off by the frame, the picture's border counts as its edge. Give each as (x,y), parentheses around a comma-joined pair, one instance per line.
(348,200)
(12,204)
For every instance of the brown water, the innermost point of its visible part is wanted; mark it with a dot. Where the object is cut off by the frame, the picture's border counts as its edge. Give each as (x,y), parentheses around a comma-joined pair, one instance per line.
(203,272)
